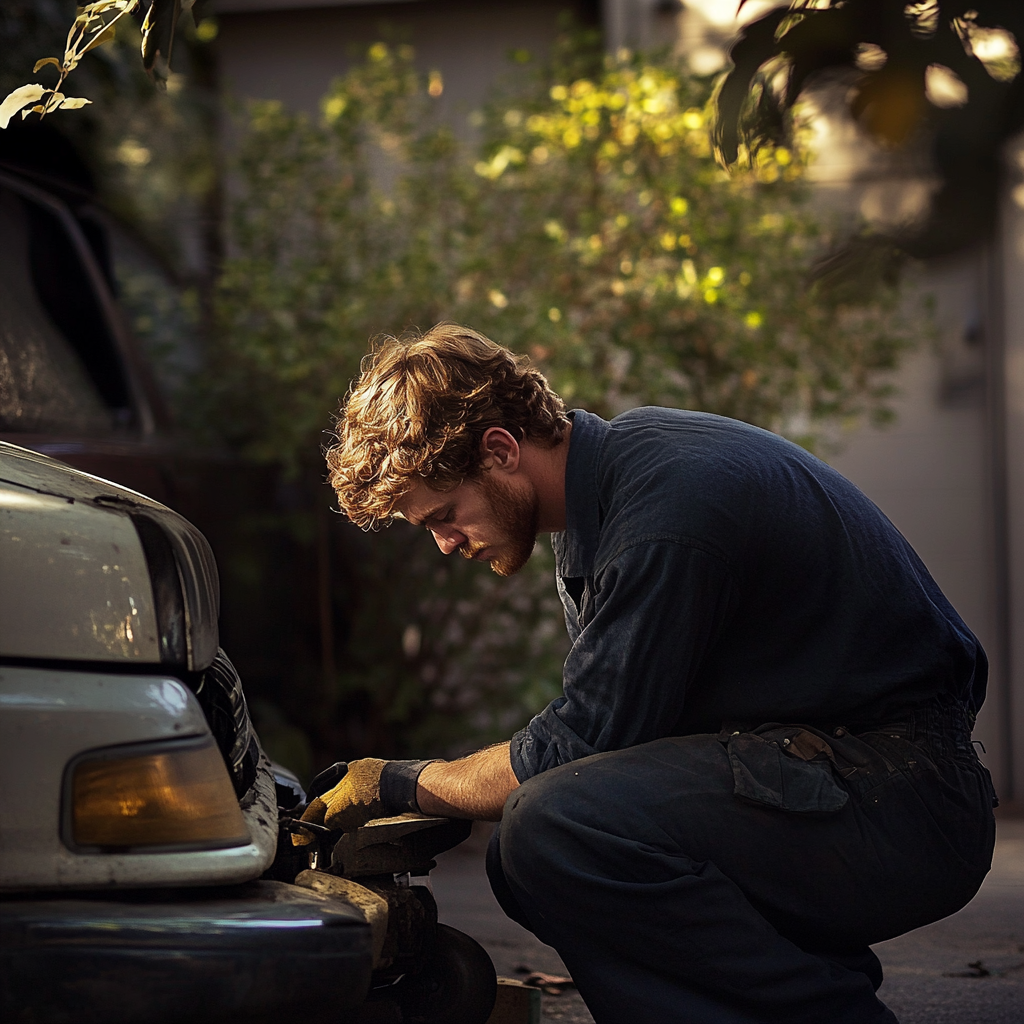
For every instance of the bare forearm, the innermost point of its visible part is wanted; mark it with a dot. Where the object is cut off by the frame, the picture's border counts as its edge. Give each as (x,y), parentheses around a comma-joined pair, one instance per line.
(473,787)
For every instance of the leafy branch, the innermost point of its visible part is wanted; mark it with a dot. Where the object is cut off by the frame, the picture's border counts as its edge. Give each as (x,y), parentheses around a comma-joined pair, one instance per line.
(942,73)
(93,26)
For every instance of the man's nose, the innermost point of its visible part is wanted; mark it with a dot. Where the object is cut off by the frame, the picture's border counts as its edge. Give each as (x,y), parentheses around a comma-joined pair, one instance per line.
(449,540)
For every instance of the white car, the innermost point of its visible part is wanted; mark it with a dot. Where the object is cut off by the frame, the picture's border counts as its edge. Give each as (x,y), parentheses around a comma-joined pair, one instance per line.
(130,776)
(146,870)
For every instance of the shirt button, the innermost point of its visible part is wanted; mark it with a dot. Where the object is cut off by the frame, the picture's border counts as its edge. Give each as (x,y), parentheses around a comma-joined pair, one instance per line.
(839,733)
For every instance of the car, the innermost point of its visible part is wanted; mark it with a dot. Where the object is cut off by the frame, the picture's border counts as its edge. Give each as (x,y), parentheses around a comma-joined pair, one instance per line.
(147,873)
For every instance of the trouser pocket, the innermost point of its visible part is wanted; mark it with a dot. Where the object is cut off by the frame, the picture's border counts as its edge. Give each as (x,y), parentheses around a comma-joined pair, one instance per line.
(765,772)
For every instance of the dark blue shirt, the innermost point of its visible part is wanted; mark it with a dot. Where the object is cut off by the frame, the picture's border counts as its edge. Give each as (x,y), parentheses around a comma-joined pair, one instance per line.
(712,572)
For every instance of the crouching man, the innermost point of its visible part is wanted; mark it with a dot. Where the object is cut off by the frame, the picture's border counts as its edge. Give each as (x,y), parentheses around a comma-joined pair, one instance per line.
(762,760)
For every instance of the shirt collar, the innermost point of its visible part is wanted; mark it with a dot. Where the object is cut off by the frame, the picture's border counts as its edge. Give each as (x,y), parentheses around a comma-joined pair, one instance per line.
(576,547)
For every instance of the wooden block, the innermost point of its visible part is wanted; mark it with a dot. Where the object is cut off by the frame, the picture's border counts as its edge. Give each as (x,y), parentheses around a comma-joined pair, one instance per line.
(516,1003)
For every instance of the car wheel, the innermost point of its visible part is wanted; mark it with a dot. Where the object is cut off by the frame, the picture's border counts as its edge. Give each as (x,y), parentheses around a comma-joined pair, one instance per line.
(457,984)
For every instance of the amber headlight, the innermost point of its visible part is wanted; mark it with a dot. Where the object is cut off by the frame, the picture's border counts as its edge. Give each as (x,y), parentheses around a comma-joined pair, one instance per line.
(167,795)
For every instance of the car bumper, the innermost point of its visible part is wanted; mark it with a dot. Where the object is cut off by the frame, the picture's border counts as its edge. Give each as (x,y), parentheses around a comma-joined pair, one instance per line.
(266,951)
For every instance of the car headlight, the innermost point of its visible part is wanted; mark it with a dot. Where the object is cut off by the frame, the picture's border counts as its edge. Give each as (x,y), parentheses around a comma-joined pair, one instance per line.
(153,796)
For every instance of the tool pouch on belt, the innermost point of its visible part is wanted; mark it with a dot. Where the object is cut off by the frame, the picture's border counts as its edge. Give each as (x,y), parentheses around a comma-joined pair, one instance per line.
(786,767)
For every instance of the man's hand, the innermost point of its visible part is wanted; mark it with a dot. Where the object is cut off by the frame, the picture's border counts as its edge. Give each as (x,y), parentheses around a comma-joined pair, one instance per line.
(473,787)
(351,803)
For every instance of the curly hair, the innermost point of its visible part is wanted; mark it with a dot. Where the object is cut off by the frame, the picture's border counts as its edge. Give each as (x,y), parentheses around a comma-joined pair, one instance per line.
(419,409)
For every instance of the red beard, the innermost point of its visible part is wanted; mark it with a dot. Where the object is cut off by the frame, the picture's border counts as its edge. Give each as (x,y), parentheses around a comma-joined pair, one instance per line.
(515,517)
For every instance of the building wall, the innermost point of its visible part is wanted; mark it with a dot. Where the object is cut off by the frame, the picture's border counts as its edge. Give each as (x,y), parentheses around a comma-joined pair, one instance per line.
(932,472)
(1011,300)
(292,52)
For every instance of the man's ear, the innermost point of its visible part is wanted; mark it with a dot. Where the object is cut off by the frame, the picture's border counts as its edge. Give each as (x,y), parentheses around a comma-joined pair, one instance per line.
(499,450)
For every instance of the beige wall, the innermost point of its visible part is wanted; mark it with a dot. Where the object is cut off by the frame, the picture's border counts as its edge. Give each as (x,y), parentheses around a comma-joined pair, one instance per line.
(931,471)
(293,54)
(1012,244)
(950,471)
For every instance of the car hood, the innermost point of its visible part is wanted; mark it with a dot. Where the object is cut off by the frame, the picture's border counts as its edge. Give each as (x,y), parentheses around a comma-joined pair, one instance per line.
(96,572)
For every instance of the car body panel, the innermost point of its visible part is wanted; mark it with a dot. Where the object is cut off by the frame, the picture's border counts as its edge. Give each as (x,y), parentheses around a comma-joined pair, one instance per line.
(90,598)
(35,492)
(49,716)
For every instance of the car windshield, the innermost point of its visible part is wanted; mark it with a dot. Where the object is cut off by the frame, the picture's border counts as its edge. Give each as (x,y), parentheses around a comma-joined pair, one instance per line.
(44,385)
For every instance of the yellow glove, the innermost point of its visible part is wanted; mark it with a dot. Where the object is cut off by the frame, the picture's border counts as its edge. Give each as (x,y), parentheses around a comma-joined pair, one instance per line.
(351,803)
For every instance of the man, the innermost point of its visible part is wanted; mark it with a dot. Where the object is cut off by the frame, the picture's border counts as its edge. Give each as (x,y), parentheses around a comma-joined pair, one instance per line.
(761,763)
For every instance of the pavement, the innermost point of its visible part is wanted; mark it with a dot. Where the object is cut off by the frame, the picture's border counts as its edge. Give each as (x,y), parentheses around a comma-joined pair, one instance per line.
(967,969)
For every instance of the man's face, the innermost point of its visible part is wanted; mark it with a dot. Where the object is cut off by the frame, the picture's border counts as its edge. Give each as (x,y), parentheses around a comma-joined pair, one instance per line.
(490,519)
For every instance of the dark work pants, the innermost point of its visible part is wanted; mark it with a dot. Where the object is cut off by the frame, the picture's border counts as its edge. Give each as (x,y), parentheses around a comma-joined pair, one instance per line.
(673,898)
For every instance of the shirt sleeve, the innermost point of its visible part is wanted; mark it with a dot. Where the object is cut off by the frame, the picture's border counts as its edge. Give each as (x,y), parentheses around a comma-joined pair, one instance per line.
(655,611)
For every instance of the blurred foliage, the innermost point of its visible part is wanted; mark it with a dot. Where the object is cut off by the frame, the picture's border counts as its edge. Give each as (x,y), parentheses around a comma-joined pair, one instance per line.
(943,74)
(438,657)
(592,229)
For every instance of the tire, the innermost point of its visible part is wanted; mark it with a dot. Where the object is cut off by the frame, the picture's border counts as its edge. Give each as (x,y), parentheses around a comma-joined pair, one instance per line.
(457,984)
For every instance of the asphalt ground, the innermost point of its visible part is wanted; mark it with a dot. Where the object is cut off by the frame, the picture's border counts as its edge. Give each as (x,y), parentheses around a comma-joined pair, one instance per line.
(967,969)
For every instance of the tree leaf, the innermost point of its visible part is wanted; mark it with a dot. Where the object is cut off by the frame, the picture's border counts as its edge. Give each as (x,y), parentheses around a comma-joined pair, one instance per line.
(158,36)
(102,6)
(100,38)
(74,103)
(46,60)
(753,49)
(21,97)
(51,103)
(86,23)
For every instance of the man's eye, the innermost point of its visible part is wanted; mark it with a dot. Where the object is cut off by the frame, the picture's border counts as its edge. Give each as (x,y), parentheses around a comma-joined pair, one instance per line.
(441,520)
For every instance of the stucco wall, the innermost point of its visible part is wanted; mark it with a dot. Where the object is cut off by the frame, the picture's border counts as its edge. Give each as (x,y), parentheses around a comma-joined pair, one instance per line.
(293,54)
(1013,383)
(931,471)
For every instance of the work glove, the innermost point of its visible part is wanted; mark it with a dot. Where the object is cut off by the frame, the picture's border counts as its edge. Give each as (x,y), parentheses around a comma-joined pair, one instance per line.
(350,804)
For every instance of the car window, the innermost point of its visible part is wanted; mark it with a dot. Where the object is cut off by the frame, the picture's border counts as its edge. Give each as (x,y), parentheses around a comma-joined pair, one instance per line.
(163,314)
(45,385)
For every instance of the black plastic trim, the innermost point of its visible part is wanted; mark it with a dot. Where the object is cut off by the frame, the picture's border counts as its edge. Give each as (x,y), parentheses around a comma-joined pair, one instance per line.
(222,699)
(225,955)
(167,596)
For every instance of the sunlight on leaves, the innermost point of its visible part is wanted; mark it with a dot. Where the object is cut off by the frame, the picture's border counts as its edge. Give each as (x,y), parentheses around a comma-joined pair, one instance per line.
(93,26)
(21,97)
(944,87)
